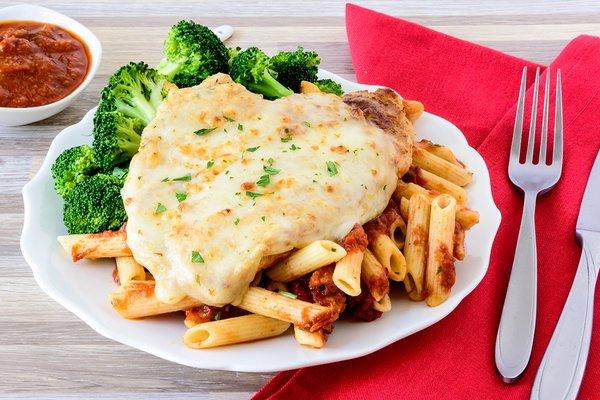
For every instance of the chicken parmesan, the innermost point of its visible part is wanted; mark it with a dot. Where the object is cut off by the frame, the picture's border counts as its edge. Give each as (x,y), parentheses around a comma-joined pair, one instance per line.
(224,180)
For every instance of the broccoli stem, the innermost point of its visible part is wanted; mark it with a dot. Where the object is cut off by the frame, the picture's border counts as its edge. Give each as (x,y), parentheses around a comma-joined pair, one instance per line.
(168,68)
(270,87)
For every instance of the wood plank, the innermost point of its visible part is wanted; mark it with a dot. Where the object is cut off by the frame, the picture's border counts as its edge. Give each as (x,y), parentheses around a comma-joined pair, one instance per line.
(47,352)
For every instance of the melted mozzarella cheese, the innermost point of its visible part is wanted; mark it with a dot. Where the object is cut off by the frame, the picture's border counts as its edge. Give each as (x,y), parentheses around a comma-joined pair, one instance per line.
(320,169)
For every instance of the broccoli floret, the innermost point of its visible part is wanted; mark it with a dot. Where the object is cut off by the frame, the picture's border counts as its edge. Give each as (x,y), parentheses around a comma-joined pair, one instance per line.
(192,52)
(71,167)
(94,205)
(329,86)
(128,103)
(251,68)
(134,90)
(233,52)
(116,138)
(293,67)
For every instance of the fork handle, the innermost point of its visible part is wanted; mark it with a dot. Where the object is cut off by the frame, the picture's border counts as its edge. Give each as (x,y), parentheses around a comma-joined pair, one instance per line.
(562,367)
(517,323)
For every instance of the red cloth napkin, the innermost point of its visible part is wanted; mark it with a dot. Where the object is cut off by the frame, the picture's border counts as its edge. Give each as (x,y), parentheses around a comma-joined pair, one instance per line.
(476,88)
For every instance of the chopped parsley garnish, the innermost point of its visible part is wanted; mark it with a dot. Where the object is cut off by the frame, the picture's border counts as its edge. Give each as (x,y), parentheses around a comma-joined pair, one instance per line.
(228,118)
(384,187)
(163,180)
(210,164)
(217,316)
(186,177)
(270,170)
(263,218)
(253,195)
(288,294)
(197,257)
(439,270)
(160,208)
(306,123)
(333,249)
(331,168)
(181,195)
(294,147)
(252,149)
(236,221)
(204,131)
(286,139)
(240,127)
(263,180)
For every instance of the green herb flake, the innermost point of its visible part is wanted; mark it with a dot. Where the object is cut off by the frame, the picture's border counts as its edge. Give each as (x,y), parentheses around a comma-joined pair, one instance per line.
(163,180)
(240,127)
(228,118)
(253,195)
(217,316)
(286,139)
(160,208)
(294,147)
(288,294)
(210,164)
(270,161)
(252,149)
(236,221)
(263,218)
(204,131)
(197,257)
(186,177)
(439,270)
(306,123)
(270,170)
(181,195)
(331,168)
(333,250)
(263,181)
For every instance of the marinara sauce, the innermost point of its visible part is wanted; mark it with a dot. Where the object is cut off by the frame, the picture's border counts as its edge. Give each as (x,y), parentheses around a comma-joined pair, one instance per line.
(40,63)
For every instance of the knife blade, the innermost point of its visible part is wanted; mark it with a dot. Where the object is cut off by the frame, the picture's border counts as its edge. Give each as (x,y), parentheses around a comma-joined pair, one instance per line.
(561,371)
(589,213)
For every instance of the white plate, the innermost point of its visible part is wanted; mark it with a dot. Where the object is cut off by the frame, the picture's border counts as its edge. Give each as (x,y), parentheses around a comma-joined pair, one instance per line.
(82,288)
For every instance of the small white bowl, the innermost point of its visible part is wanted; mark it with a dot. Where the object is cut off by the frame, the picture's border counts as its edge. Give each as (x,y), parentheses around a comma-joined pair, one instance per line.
(13,116)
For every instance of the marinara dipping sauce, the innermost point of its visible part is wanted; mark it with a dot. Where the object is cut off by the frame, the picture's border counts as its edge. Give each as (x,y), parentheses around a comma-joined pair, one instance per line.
(40,63)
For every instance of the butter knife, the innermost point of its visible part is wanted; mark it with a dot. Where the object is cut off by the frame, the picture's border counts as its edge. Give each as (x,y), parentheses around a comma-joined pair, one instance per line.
(561,371)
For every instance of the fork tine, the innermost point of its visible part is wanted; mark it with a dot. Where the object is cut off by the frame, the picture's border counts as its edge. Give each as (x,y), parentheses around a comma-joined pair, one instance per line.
(534,102)
(544,141)
(515,148)
(557,152)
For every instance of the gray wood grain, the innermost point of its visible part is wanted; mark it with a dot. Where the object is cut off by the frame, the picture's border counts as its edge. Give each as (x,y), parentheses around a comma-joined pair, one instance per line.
(46,352)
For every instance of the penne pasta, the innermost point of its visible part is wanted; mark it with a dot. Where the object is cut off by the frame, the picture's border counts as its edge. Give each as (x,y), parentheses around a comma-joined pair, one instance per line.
(346,274)
(129,270)
(375,276)
(383,305)
(397,232)
(439,150)
(440,274)
(459,242)
(307,316)
(242,329)
(96,245)
(466,217)
(308,259)
(433,182)
(136,299)
(440,167)
(388,255)
(310,339)
(415,250)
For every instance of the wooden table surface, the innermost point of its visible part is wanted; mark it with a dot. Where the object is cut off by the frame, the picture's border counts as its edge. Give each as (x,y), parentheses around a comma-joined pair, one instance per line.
(46,352)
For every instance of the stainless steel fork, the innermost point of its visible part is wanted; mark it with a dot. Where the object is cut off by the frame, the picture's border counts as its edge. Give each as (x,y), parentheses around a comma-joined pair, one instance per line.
(517,324)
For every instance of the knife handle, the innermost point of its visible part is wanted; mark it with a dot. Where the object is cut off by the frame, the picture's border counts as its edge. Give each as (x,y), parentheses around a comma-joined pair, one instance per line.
(517,323)
(562,367)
